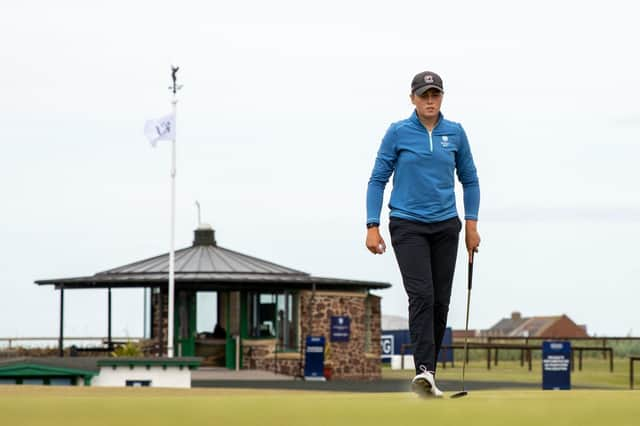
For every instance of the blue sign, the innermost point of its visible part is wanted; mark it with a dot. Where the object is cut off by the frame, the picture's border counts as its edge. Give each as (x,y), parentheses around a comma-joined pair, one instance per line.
(556,365)
(314,358)
(446,355)
(386,343)
(340,329)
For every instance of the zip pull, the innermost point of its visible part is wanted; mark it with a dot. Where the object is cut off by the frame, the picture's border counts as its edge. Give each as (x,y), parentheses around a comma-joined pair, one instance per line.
(430,140)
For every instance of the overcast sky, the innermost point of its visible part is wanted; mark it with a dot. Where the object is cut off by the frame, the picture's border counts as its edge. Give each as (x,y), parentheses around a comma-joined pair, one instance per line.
(282,112)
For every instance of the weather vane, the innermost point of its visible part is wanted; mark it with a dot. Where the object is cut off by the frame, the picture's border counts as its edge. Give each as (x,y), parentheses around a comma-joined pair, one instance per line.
(175,87)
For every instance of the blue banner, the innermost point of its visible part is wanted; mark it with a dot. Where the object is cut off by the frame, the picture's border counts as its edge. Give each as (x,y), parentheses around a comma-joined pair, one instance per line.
(391,342)
(314,358)
(556,365)
(340,329)
(446,355)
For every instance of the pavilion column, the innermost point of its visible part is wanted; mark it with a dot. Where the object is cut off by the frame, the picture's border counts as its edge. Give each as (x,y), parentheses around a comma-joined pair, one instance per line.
(109,340)
(311,306)
(160,321)
(60,341)
(285,322)
(145,315)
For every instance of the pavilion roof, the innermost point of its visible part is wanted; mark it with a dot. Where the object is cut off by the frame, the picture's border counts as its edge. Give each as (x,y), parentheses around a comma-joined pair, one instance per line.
(207,266)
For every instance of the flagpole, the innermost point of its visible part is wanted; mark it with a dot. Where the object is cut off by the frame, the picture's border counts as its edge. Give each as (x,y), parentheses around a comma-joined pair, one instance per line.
(170,325)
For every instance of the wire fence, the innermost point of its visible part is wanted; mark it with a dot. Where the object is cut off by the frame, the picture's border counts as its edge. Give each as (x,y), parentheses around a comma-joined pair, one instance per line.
(12,344)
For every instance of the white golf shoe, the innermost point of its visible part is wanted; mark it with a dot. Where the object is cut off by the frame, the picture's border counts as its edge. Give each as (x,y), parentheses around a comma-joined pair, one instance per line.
(424,384)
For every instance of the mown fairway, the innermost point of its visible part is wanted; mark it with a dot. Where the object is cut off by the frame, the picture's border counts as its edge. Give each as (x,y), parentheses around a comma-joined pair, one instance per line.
(24,405)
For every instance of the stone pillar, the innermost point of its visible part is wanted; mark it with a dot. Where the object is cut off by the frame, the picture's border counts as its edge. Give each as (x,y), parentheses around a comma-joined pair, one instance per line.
(234,313)
(159,319)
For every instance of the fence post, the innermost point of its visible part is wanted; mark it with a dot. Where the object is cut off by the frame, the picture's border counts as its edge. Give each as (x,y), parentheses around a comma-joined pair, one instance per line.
(610,360)
(580,359)
(573,358)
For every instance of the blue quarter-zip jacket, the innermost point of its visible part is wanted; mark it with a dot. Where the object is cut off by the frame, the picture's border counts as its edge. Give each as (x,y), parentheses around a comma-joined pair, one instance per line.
(423,166)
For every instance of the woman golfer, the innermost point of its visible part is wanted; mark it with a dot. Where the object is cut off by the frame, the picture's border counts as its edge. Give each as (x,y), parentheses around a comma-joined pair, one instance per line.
(422,153)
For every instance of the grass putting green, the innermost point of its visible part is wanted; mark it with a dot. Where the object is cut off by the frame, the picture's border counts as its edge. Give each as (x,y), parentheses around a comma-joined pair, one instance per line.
(27,405)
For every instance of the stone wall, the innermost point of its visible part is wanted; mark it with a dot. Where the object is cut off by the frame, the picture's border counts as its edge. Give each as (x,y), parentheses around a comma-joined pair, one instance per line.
(359,358)
(259,354)
(255,351)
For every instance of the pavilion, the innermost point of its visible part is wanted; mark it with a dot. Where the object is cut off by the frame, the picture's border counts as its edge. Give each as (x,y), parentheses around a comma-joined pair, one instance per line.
(265,308)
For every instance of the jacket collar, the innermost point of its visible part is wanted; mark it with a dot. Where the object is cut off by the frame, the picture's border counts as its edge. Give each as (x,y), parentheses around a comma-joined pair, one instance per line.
(414,119)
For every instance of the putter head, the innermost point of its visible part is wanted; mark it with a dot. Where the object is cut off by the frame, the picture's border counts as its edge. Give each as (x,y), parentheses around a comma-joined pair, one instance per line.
(459,394)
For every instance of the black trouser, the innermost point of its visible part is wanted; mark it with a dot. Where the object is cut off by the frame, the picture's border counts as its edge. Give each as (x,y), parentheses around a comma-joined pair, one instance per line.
(426,254)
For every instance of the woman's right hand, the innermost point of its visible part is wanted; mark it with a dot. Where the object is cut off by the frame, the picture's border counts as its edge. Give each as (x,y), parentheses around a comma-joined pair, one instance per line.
(375,243)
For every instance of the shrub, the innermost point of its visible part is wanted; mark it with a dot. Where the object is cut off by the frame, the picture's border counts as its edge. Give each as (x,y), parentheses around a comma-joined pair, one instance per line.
(129,349)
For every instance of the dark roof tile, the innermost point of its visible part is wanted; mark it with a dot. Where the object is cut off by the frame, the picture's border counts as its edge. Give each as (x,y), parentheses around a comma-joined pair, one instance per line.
(206,263)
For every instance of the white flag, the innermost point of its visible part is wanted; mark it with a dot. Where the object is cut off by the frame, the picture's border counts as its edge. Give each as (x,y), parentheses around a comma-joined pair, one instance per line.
(161,129)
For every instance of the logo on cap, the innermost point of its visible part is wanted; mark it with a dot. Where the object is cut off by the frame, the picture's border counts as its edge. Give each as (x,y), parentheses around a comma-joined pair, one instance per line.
(428,78)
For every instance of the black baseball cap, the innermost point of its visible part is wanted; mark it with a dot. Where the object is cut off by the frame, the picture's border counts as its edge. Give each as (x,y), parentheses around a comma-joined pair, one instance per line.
(424,81)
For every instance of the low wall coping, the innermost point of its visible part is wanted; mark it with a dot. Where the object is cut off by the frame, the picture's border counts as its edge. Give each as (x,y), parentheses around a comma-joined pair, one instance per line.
(190,362)
(258,342)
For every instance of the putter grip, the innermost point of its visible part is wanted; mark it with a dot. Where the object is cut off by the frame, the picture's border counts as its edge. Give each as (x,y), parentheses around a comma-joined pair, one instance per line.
(470,275)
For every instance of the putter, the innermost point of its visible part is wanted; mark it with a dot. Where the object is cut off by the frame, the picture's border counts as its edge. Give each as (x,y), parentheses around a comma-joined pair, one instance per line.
(466,328)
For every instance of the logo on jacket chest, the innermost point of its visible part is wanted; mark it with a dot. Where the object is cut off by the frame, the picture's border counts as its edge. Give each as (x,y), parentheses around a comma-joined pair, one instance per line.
(444,141)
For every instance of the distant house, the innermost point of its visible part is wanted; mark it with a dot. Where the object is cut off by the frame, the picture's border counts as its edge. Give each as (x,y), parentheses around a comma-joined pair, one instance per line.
(543,326)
